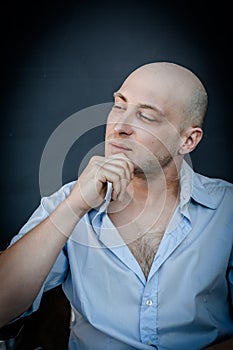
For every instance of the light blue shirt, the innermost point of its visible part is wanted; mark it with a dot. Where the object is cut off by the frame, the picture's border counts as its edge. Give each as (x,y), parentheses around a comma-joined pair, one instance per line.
(186,302)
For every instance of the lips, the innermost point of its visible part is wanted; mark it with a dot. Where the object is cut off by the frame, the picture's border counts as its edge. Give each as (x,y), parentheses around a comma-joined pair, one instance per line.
(119,147)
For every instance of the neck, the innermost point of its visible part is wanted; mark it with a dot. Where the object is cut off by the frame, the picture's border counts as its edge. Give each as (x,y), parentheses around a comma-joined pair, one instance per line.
(165,182)
(153,190)
(148,203)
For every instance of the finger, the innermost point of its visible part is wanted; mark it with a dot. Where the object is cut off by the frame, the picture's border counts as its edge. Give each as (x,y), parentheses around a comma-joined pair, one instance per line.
(105,175)
(117,176)
(119,167)
(123,189)
(124,161)
(125,176)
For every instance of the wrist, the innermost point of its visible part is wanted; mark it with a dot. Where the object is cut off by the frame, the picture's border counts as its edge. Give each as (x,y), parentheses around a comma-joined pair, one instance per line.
(76,204)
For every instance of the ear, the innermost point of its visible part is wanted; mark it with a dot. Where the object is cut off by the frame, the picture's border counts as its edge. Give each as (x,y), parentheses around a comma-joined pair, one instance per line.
(190,139)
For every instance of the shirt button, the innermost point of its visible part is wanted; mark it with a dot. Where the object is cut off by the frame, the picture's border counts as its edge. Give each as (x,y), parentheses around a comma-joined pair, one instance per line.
(149,302)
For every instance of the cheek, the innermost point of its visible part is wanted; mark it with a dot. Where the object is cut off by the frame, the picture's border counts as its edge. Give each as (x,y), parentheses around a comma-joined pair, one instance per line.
(144,146)
(110,125)
(109,130)
(163,143)
(112,118)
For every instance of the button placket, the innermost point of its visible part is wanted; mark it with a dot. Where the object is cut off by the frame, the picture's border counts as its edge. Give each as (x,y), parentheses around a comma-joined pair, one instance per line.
(148,314)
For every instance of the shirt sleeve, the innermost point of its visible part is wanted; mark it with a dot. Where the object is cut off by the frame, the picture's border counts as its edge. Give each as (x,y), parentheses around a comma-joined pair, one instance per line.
(59,270)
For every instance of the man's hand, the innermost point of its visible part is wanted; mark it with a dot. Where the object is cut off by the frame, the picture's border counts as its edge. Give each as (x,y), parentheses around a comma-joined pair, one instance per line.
(91,186)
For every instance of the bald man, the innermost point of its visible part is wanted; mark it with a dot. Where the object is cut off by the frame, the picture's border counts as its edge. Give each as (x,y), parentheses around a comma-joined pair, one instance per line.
(141,243)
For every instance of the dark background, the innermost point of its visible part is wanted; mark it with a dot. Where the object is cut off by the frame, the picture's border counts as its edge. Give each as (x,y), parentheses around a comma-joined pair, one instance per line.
(58,57)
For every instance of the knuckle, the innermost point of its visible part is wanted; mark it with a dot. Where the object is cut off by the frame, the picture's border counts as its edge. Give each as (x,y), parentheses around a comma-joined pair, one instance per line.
(95,159)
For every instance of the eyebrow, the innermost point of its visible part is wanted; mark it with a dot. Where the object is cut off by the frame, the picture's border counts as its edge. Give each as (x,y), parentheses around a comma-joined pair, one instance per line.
(140,105)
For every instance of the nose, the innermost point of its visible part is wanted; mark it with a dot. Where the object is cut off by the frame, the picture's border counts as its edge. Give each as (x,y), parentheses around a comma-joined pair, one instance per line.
(123,126)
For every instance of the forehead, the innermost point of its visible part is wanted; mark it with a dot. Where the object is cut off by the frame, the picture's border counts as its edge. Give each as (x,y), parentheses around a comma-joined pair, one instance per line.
(167,91)
(148,88)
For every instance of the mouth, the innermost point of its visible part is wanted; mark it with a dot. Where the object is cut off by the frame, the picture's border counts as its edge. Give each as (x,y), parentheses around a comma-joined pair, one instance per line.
(117,147)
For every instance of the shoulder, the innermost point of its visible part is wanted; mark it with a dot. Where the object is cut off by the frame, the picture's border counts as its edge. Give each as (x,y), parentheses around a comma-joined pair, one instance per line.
(51,201)
(47,205)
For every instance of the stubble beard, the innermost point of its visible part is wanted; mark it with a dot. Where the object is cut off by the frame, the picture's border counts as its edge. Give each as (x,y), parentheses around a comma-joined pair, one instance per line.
(153,167)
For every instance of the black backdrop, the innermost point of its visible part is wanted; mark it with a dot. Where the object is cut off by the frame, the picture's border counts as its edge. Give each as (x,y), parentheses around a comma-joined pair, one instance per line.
(58,57)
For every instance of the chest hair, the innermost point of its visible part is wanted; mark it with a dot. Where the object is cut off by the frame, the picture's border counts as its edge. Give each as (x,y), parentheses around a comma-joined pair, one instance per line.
(144,249)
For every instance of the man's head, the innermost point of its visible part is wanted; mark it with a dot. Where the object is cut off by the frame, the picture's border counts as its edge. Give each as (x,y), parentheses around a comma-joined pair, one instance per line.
(157,115)
(176,88)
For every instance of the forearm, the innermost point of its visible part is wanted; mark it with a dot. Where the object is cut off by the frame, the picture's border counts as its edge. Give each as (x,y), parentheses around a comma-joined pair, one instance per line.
(25,265)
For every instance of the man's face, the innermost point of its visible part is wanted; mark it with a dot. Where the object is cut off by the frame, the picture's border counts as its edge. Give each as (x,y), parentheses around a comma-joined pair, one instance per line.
(144,123)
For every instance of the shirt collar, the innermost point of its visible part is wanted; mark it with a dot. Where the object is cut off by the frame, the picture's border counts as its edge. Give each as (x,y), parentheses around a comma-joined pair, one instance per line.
(202,192)
(107,200)
(191,188)
(186,184)
(195,186)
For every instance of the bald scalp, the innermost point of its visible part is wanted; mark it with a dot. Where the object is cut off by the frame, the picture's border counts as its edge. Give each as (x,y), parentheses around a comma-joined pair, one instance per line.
(193,98)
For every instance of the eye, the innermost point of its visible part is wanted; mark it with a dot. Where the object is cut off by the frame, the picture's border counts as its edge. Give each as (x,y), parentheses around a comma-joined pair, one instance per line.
(118,105)
(146,117)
